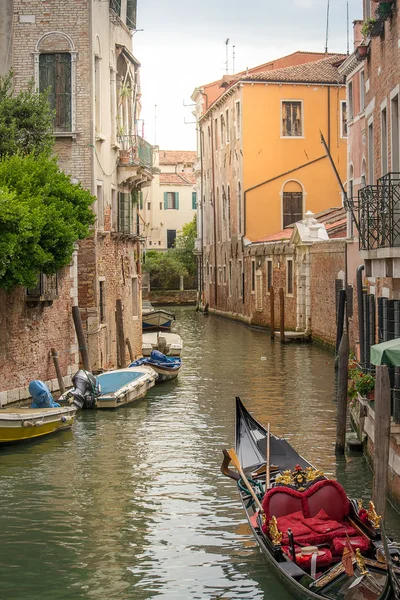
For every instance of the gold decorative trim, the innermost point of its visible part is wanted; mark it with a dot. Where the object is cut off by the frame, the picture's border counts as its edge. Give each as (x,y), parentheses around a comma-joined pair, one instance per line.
(275,534)
(361,563)
(373,517)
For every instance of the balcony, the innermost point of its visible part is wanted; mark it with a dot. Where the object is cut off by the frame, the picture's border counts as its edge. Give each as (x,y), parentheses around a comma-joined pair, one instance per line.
(135,160)
(379,214)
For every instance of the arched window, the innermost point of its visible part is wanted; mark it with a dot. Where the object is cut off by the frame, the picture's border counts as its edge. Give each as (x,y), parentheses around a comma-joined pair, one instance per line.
(229,211)
(55,70)
(239,201)
(292,203)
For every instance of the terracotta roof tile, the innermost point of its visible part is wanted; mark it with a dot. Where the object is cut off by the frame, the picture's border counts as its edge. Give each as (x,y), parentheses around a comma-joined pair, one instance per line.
(175,179)
(175,157)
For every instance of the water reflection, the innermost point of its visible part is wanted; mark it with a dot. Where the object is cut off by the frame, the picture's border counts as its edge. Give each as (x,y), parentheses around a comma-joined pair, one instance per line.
(132,504)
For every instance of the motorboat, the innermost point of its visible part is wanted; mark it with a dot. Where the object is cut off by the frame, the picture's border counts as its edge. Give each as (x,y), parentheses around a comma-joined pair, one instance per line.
(168,343)
(124,386)
(166,367)
(153,319)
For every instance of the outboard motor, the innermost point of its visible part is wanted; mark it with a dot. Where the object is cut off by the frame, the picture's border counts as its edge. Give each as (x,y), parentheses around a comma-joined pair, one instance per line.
(85,390)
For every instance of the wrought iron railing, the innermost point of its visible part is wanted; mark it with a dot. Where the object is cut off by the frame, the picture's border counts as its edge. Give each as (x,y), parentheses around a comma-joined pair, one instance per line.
(378,209)
(135,151)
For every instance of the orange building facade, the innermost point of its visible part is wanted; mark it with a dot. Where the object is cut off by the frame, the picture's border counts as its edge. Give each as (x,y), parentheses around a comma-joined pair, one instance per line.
(262,165)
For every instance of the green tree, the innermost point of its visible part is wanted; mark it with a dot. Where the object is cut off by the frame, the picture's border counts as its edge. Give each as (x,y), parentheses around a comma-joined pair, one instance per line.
(164,267)
(184,246)
(42,215)
(26,120)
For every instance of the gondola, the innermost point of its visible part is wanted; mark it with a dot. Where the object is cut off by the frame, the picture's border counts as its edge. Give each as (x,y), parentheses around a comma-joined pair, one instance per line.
(319,542)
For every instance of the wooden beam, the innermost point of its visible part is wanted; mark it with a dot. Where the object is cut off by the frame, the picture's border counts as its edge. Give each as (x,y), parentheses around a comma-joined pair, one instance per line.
(119,320)
(381,438)
(343,373)
(83,348)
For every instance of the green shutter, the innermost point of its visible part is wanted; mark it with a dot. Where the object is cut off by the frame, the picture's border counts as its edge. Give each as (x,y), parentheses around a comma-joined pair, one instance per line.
(194,200)
(177,200)
(165,200)
(55,76)
(141,200)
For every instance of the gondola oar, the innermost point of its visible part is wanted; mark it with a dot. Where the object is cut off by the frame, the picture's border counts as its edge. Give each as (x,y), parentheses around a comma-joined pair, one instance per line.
(268,472)
(236,462)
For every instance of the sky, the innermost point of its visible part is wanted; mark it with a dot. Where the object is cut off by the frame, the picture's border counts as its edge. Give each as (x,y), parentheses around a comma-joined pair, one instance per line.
(182,46)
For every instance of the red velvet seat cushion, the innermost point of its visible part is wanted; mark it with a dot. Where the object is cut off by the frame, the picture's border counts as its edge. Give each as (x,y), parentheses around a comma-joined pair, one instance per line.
(339,544)
(281,501)
(295,522)
(322,523)
(330,496)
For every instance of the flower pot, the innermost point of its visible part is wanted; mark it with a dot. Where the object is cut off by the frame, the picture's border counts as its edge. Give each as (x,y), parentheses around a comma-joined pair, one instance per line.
(362,51)
(124,157)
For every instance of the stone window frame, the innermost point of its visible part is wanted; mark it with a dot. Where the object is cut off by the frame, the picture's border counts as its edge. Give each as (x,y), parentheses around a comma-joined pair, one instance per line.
(394,99)
(269,261)
(343,122)
(73,53)
(289,294)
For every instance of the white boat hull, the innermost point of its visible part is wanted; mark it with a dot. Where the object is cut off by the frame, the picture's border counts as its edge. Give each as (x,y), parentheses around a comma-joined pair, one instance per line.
(157,319)
(168,343)
(129,393)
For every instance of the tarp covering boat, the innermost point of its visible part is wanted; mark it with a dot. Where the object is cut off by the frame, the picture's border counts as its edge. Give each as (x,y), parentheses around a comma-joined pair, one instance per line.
(158,359)
(41,395)
(386,353)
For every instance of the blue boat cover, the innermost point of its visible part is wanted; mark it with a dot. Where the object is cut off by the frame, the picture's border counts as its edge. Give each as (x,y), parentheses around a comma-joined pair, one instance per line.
(113,381)
(158,359)
(41,395)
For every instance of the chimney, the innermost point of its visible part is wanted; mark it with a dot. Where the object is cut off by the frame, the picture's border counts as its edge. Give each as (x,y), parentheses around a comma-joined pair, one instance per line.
(357,35)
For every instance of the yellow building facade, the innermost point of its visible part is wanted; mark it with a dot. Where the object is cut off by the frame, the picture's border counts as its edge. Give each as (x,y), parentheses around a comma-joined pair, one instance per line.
(262,165)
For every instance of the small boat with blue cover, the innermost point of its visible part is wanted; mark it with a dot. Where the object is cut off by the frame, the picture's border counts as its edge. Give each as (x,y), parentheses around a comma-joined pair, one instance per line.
(43,417)
(166,367)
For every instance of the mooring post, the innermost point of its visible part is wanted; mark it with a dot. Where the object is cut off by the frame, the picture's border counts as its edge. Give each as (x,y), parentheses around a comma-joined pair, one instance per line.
(272,311)
(343,373)
(282,314)
(128,343)
(60,379)
(381,438)
(80,334)
(121,354)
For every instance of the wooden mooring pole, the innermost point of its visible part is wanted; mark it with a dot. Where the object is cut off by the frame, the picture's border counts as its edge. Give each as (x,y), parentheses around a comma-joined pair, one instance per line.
(381,438)
(121,354)
(282,314)
(128,343)
(343,373)
(54,355)
(272,311)
(80,334)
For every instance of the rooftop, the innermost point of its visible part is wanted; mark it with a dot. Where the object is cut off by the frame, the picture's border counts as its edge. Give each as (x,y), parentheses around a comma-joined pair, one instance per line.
(177,157)
(177,179)
(334,219)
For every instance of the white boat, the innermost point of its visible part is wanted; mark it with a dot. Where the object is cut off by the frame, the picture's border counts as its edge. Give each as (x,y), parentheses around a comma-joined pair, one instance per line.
(124,386)
(153,318)
(168,343)
(23,424)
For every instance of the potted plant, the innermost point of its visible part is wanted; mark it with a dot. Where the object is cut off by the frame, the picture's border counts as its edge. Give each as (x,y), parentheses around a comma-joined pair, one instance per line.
(362,50)
(365,385)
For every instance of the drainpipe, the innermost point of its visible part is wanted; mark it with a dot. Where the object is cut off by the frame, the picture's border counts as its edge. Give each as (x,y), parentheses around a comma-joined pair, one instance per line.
(214,212)
(329,117)
(360,269)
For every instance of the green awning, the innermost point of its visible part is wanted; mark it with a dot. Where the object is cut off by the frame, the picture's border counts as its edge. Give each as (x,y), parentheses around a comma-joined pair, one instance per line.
(387,353)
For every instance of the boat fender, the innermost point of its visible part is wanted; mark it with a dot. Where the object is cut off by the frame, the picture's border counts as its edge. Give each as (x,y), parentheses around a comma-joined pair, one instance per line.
(38,423)
(64,419)
(27,423)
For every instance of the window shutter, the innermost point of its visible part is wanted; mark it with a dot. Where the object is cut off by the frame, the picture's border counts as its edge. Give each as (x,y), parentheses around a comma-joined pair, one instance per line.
(63,92)
(165,200)
(177,200)
(141,200)
(194,201)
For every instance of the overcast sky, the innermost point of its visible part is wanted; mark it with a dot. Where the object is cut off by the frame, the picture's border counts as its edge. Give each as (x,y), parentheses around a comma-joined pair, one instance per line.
(182,46)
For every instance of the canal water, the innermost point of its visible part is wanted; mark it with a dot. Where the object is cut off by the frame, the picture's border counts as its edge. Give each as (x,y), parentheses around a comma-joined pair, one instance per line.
(131,504)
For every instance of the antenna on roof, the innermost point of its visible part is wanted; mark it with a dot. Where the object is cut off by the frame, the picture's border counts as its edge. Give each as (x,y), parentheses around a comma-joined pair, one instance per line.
(327,28)
(348,34)
(227,56)
(233,59)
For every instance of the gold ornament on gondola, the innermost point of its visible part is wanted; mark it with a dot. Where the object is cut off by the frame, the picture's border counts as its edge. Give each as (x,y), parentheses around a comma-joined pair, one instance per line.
(360,505)
(299,478)
(275,534)
(361,563)
(373,517)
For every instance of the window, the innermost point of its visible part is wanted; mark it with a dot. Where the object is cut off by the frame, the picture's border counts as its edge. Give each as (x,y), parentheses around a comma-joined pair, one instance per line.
(171,200)
(227,125)
(362,91)
(238,118)
(125,213)
(131,14)
(292,119)
(289,276)
(371,154)
(194,200)
(223,204)
(384,140)
(350,100)
(269,275)
(230,278)
(216,133)
(149,206)
(222,129)
(367,11)
(114,209)
(394,103)
(135,297)
(343,119)
(102,299)
(140,200)
(97,94)
(115,5)
(229,212)
(100,206)
(259,299)
(55,74)
(239,200)
(171,237)
(253,274)
(241,277)
(224,274)
(292,208)
(160,205)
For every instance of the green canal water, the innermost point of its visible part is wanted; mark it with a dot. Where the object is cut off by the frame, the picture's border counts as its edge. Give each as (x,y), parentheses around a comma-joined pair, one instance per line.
(131,504)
